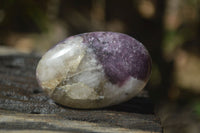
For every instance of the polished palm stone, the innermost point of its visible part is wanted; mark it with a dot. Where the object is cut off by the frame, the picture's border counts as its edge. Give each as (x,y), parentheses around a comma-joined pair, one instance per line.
(94,70)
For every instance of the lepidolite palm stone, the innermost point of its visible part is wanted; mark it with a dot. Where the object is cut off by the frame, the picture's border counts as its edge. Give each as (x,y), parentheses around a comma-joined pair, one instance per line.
(94,70)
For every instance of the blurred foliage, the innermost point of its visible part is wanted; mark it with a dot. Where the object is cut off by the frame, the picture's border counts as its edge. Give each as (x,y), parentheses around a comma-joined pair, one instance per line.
(197,108)
(23,15)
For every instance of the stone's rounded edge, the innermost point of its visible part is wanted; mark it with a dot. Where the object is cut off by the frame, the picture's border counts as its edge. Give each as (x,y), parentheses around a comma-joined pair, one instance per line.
(61,97)
(133,51)
(119,95)
(38,79)
(131,87)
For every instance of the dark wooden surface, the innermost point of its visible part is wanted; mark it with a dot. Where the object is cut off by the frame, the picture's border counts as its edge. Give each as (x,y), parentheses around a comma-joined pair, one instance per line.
(25,108)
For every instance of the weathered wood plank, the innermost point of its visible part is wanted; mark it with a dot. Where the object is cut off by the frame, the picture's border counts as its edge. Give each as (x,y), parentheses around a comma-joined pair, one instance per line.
(24,106)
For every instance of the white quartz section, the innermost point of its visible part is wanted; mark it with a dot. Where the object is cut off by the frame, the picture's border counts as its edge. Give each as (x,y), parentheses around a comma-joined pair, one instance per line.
(117,94)
(59,61)
(90,72)
(85,82)
(79,91)
(53,62)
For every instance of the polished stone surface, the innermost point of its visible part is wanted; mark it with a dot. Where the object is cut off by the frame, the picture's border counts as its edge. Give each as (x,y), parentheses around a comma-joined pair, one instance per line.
(94,70)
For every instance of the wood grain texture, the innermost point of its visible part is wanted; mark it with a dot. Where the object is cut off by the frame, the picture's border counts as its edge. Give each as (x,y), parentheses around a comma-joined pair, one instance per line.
(25,108)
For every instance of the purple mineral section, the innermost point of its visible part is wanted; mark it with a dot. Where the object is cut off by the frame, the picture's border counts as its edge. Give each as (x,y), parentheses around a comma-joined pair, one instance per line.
(120,55)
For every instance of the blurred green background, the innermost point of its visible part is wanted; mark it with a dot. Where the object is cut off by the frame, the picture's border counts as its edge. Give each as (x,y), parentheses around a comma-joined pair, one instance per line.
(170,29)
